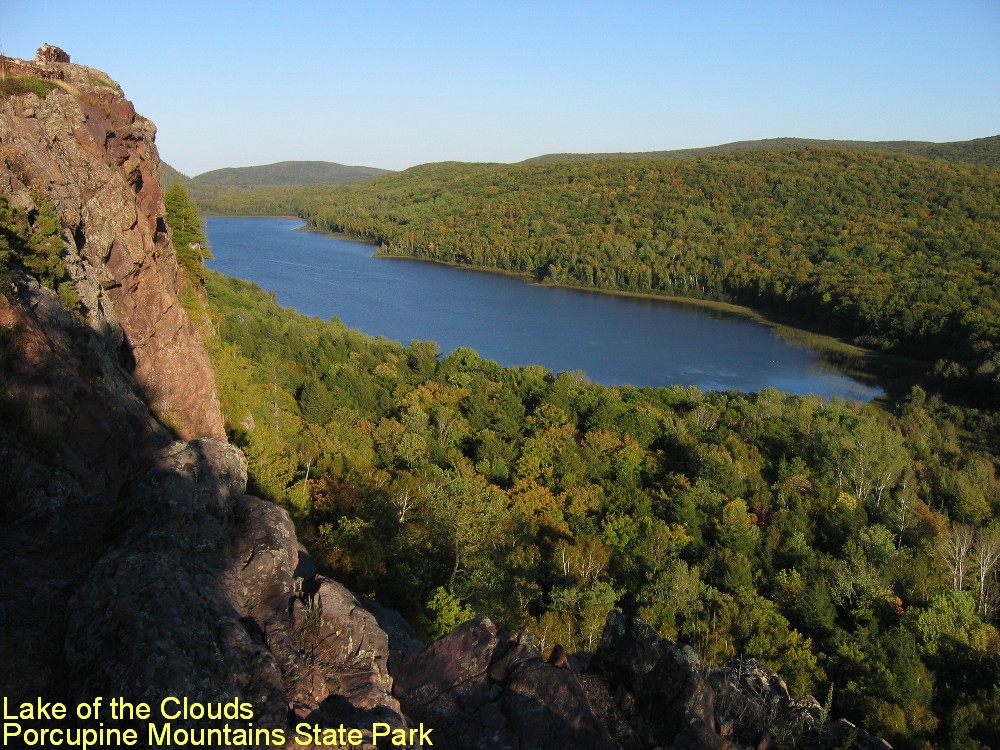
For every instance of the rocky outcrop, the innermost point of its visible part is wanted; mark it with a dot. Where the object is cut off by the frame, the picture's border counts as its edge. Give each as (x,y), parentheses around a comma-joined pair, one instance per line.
(671,698)
(71,434)
(48,53)
(76,430)
(86,150)
(329,649)
(480,689)
(154,614)
(200,596)
(131,563)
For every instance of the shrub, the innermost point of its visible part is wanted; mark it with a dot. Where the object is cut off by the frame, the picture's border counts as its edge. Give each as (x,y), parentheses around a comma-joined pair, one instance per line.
(22,85)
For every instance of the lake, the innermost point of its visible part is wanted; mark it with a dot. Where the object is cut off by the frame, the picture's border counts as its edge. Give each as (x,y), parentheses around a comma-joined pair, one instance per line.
(615,340)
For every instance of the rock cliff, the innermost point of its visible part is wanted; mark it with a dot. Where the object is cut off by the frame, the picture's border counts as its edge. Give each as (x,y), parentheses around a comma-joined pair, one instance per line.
(133,564)
(85,149)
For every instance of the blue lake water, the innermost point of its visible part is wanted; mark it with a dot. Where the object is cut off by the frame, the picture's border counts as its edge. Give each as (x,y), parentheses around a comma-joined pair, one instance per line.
(615,340)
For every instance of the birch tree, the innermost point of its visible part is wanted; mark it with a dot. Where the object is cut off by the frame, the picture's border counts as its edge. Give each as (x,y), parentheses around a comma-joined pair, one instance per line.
(986,556)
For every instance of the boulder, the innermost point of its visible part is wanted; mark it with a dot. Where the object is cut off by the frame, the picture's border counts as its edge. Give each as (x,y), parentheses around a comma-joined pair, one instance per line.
(479,688)
(664,687)
(48,53)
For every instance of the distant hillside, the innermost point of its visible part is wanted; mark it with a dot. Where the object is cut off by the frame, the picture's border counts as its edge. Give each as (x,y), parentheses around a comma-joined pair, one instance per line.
(231,183)
(984,151)
(169,175)
(289,173)
(897,251)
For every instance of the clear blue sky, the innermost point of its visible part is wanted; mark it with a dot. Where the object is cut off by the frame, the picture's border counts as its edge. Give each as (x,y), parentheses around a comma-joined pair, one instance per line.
(393,84)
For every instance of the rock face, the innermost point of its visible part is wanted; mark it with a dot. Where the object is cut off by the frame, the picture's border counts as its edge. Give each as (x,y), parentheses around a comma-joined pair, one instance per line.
(132,563)
(72,431)
(480,689)
(84,148)
(116,544)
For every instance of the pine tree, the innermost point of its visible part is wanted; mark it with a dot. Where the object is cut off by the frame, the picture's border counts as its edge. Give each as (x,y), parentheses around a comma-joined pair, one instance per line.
(190,242)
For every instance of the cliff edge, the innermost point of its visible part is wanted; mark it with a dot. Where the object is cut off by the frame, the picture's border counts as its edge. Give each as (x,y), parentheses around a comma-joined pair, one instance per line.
(83,147)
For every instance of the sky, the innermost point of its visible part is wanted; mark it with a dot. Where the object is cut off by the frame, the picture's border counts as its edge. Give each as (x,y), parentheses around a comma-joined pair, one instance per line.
(395,84)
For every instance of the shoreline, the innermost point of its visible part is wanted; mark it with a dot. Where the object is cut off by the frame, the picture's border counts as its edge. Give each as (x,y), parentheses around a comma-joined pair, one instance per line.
(784,326)
(211,215)
(883,370)
(893,374)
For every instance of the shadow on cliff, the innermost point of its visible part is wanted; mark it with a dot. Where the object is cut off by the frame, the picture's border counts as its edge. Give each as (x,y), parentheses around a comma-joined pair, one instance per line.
(117,545)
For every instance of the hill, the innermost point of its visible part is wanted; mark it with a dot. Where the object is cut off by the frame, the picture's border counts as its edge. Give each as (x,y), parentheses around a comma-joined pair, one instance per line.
(984,151)
(169,175)
(898,252)
(289,173)
(234,184)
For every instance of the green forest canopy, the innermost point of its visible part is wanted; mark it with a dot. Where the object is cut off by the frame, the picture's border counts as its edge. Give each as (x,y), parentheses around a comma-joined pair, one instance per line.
(840,543)
(984,151)
(899,253)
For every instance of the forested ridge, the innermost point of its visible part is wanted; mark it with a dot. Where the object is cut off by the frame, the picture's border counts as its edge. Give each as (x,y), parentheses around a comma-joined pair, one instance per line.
(899,253)
(976,151)
(287,173)
(220,182)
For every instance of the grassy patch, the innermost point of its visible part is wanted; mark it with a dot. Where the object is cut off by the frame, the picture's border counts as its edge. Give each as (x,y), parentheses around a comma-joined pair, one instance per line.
(25,85)
(98,81)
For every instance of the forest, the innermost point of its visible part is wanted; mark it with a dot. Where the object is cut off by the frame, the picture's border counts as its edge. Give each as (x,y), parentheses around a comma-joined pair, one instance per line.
(984,151)
(898,253)
(854,548)
(851,548)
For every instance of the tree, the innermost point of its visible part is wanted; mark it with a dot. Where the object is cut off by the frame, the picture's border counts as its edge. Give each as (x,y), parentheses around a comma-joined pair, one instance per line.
(581,561)
(867,459)
(589,605)
(473,517)
(674,597)
(955,549)
(34,240)
(447,613)
(951,622)
(190,242)
(986,555)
